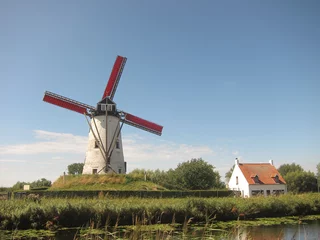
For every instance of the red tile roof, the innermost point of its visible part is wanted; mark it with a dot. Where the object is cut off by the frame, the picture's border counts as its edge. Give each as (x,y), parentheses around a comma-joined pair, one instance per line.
(265,171)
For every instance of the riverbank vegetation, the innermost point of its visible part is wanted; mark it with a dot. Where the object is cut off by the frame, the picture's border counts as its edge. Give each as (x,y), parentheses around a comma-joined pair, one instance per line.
(106,211)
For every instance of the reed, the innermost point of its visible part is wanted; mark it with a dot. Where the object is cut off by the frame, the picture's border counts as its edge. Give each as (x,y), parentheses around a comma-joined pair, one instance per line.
(105,211)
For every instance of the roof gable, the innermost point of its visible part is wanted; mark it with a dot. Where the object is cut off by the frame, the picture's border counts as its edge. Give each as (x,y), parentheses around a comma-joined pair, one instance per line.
(261,173)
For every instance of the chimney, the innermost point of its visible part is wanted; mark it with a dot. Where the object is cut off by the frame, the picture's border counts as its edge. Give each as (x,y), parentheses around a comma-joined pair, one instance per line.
(237,161)
(271,162)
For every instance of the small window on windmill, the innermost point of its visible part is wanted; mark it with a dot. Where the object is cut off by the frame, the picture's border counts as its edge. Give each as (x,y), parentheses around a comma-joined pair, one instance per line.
(119,170)
(117,144)
(110,107)
(94,171)
(103,107)
(96,144)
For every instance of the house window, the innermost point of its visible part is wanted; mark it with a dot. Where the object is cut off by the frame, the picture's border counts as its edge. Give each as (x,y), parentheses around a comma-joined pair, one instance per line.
(277,192)
(268,192)
(255,178)
(257,192)
(94,171)
(237,180)
(117,144)
(276,178)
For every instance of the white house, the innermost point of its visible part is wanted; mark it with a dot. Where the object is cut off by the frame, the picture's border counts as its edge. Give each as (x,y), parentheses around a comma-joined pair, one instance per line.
(256,178)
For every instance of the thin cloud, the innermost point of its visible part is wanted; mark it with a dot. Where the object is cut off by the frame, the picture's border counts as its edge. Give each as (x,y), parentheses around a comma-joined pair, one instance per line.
(135,147)
(136,150)
(55,151)
(48,142)
(12,160)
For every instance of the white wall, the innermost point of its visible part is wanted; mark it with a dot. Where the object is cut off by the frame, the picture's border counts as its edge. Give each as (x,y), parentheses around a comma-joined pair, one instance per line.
(242,186)
(266,187)
(94,158)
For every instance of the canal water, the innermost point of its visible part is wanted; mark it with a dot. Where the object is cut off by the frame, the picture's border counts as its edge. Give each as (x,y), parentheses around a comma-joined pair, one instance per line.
(308,231)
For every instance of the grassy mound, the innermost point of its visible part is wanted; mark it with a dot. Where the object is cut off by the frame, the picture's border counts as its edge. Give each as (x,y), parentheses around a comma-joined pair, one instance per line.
(103,182)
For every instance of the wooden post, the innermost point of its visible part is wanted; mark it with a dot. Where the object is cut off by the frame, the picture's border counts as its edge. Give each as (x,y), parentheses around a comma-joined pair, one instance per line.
(107,148)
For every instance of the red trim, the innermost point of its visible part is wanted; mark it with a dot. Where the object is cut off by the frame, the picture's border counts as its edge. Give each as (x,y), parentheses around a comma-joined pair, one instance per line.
(64,104)
(144,123)
(114,77)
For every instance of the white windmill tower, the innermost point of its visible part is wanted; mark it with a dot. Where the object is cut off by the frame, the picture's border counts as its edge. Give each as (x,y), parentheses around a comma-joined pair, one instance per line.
(104,152)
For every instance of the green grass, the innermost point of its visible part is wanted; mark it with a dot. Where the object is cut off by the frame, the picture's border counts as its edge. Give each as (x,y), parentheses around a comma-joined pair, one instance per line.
(106,211)
(103,182)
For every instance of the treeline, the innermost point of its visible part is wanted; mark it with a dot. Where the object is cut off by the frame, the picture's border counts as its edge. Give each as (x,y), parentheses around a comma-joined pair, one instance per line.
(195,174)
(298,180)
(35,184)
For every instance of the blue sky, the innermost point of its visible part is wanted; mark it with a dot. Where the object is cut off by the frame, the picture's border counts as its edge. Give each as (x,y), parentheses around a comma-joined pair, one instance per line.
(226,79)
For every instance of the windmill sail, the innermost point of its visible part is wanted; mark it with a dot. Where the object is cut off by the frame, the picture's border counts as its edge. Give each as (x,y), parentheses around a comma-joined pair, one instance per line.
(114,77)
(67,103)
(142,124)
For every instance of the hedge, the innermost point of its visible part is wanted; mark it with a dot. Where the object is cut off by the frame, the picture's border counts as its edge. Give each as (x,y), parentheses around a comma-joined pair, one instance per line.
(126,194)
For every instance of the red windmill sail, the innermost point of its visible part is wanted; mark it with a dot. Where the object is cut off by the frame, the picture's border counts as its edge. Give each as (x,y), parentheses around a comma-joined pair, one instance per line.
(142,124)
(114,77)
(67,103)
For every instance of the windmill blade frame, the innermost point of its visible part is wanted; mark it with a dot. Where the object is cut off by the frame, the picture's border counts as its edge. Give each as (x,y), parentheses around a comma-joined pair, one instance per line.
(67,103)
(114,78)
(142,123)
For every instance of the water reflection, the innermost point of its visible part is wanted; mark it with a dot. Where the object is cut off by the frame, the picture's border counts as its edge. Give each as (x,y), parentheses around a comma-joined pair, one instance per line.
(308,231)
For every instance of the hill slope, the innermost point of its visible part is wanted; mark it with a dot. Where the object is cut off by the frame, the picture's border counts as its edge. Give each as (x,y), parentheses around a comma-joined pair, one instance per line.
(102,182)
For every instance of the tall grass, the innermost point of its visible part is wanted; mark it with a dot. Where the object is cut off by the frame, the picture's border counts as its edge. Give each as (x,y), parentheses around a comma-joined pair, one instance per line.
(55,213)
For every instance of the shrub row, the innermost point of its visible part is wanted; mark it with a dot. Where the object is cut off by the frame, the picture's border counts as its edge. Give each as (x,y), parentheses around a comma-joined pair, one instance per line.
(125,194)
(76,212)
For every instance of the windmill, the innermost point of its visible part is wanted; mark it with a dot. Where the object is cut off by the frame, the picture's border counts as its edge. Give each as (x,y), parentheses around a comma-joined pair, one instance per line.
(104,152)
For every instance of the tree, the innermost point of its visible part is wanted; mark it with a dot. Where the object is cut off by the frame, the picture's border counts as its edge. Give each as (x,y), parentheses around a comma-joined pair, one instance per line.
(228,174)
(41,183)
(318,176)
(284,169)
(35,184)
(299,182)
(195,174)
(75,168)
(19,185)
